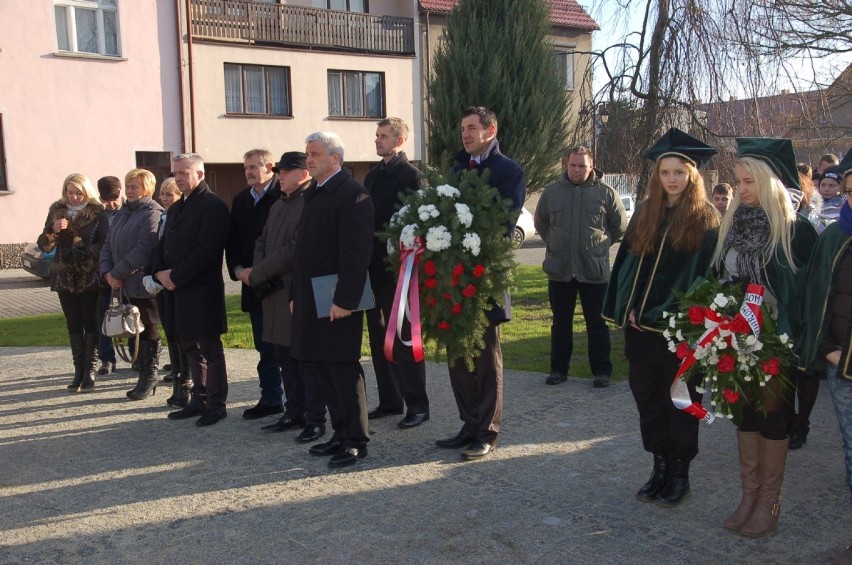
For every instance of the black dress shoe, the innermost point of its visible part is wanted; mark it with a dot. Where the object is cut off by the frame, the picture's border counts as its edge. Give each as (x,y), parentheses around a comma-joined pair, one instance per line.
(461,439)
(330,447)
(211,416)
(477,450)
(380,412)
(311,433)
(261,410)
(284,424)
(555,378)
(601,381)
(188,411)
(346,457)
(413,420)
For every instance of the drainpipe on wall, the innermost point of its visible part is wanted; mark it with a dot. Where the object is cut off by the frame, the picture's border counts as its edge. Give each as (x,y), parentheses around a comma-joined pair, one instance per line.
(192,141)
(180,77)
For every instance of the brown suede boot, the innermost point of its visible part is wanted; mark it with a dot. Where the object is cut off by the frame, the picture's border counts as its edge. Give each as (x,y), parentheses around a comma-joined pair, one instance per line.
(764,518)
(748,444)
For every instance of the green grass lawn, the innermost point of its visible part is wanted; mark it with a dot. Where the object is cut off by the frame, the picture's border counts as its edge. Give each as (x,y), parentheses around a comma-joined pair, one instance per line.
(525,340)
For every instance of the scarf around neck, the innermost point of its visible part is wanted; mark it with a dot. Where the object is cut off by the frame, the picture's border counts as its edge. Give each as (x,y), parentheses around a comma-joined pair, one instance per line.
(748,237)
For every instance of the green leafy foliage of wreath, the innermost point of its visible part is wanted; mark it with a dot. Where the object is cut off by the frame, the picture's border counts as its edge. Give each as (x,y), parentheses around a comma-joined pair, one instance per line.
(468,259)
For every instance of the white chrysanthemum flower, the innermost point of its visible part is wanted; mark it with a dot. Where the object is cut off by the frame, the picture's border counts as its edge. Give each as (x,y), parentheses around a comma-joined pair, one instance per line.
(762,383)
(448,191)
(672,322)
(666,314)
(408,235)
(464,214)
(758,346)
(699,353)
(680,315)
(427,211)
(391,247)
(438,238)
(672,347)
(679,335)
(700,390)
(784,338)
(721,300)
(402,211)
(714,307)
(667,334)
(747,378)
(472,243)
(750,340)
(722,344)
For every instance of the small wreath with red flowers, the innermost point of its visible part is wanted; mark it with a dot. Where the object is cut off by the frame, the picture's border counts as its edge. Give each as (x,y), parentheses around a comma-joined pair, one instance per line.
(465,258)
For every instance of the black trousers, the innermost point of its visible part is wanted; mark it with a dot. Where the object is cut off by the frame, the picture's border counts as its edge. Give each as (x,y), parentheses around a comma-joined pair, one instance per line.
(652,367)
(479,393)
(402,383)
(563,301)
(301,390)
(206,359)
(341,385)
(150,317)
(81,311)
(774,421)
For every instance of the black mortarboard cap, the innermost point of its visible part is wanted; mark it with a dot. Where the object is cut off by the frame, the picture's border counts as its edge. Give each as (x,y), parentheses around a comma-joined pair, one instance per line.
(776,152)
(677,143)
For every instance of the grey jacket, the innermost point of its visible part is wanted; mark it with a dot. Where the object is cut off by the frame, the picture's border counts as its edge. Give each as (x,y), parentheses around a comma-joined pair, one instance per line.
(579,223)
(130,245)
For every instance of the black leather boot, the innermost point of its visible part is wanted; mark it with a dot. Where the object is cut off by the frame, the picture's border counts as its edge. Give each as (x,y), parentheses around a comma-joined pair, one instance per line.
(180,391)
(90,361)
(657,481)
(77,354)
(677,483)
(174,357)
(149,362)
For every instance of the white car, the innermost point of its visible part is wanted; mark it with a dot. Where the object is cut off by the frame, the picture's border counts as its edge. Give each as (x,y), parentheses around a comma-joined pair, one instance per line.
(524,228)
(629,205)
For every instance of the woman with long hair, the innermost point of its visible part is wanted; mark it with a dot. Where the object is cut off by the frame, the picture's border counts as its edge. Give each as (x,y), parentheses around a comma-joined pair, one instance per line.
(77,228)
(763,241)
(126,259)
(668,244)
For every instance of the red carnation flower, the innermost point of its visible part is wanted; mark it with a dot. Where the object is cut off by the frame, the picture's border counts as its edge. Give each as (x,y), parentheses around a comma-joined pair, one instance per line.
(696,315)
(456,309)
(445,326)
(455,281)
(683,350)
(448,296)
(740,326)
(771,367)
(458,270)
(430,300)
(726,363)
(478,271)
(430,283)
(731,396)
(469,291)
(429,268)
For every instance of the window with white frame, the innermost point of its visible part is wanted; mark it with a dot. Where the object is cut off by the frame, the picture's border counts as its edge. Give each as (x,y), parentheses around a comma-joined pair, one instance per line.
(87,26)
(564,61)
(356,94)
(257,89)
(342,5)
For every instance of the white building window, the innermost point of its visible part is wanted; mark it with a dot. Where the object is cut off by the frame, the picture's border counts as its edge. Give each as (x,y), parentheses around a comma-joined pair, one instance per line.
(87,26)
(564,61)
(356,94)
(256,89)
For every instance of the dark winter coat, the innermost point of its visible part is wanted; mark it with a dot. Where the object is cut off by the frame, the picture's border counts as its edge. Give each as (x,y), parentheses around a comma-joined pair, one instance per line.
(129,250)
(192,246)
(386,183)
(508,178)
(274,254)
(78,248)
(335,237)
(247,221)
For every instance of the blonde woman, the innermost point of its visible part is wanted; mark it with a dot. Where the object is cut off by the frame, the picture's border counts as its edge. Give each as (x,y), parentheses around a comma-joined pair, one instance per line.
(126,259)
(77,228)
(762,240)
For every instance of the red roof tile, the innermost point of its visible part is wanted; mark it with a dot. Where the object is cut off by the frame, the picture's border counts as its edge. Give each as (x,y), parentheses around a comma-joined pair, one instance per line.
(564,13)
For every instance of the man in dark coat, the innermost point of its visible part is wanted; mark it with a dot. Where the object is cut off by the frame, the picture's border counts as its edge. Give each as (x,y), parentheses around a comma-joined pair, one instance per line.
(335,238)
(479,394)
(249,212)
(404,381)
(188,261)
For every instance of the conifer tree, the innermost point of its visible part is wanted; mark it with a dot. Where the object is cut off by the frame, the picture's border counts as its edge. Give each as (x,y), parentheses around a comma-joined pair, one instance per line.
(496,53)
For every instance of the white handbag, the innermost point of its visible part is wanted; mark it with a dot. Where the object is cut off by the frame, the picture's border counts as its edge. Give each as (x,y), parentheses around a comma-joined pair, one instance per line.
(121,320)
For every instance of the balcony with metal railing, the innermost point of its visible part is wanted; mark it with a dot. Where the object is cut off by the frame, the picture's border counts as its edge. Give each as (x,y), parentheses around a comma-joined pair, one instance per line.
(296,26)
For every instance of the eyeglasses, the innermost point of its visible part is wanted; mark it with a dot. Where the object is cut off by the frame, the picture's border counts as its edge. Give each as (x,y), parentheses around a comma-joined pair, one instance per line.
(848,192)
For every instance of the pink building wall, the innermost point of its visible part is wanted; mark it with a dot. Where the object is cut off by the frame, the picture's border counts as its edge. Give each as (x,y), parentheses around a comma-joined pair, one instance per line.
(64,114)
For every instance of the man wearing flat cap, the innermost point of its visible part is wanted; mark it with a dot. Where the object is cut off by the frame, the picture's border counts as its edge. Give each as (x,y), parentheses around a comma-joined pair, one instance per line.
(249,212)
(109,189)
(270,277)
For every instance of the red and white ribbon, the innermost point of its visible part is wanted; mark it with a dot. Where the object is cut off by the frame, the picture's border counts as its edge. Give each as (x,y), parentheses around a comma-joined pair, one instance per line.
(406,303)
(717,325)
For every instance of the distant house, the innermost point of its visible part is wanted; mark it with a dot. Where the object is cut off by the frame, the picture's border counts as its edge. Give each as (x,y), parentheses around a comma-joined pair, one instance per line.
(818,121)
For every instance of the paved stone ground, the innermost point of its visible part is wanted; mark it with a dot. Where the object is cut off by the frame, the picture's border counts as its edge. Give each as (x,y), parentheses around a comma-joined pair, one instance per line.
(99,479)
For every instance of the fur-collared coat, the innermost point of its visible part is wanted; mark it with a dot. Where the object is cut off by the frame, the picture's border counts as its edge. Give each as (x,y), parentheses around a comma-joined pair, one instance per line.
(78,248)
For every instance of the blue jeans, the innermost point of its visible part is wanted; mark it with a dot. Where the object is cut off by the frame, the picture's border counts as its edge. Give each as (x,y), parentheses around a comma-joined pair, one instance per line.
(841,395)
(271,388)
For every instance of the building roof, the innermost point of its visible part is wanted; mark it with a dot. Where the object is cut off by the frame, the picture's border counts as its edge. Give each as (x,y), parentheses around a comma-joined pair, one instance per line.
(563,13)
